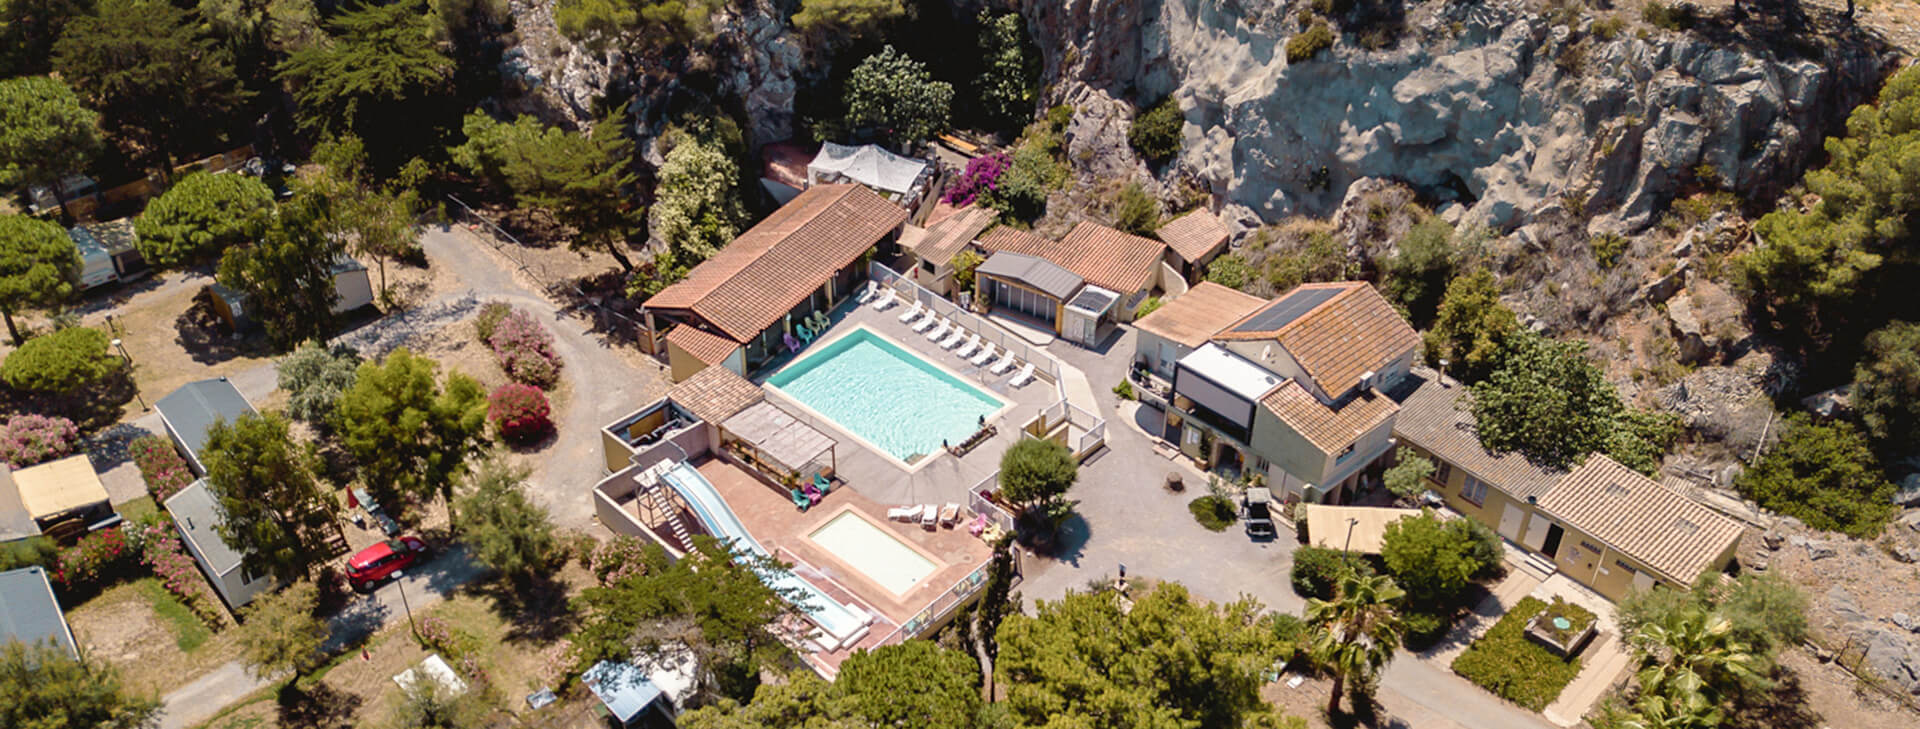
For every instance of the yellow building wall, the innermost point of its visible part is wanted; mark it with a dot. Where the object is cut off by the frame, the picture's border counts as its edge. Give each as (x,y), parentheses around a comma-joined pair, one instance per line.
(682,365)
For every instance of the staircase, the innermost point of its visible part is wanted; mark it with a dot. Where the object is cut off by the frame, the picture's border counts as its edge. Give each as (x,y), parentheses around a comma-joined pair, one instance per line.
(1538,565)
(656,495)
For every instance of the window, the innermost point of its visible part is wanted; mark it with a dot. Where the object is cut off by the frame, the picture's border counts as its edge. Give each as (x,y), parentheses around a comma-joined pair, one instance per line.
(1444,473)
(928,267)
(1589,547)
(1622,564)
(1474,491)
(1345,453)
(1259,464)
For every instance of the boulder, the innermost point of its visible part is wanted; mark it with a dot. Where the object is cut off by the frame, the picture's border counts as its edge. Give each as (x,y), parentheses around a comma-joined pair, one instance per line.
(1893,658)
(1909,555)
(1687,330)
(1906,622)
(1817,549)
(1845,607)
(1773,538)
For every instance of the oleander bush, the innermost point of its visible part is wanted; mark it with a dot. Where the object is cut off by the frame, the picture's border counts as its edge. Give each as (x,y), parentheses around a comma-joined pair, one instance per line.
(617,559)
(26,440)
(160,466)
(1317,569)
(520,412)
(1514,668)
(97,559)
(525,350)
(488,318)
(161,551)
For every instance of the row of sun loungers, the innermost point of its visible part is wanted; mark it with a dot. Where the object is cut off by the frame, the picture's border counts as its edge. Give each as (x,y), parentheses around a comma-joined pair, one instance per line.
(971,346)
(927,515)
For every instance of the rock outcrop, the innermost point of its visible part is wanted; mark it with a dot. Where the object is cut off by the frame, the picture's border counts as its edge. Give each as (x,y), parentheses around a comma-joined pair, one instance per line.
(1490,102)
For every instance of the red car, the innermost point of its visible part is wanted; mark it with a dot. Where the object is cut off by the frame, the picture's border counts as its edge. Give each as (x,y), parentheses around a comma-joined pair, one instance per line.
(380,561)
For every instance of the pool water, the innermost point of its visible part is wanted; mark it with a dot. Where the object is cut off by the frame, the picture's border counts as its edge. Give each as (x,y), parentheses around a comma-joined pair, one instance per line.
(886,395)
(881,556)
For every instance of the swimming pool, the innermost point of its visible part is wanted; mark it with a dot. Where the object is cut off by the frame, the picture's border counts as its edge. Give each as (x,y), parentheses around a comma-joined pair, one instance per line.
(881,556)
(884,394)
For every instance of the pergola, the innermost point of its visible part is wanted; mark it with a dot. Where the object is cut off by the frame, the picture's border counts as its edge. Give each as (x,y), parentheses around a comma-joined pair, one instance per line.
(777,438)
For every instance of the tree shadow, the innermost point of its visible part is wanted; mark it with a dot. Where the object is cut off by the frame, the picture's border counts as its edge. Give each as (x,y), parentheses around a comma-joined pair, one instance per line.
(1783,705)
(316,707)
(107,449)
(92,408)
(601,299)
(535,608)
(208,339)
(1068,543)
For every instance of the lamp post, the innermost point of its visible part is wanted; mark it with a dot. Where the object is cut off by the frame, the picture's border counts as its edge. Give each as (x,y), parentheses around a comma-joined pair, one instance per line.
(1347,547)
(400,584)
(129,359)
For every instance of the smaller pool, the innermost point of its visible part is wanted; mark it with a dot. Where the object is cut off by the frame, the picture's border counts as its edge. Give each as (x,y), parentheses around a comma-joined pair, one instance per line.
(882,557)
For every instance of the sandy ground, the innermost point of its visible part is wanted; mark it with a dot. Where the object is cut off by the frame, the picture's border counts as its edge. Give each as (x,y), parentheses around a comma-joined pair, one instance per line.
(120,627)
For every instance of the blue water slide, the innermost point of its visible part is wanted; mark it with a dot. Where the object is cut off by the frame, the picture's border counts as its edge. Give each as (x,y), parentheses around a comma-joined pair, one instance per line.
(838,620)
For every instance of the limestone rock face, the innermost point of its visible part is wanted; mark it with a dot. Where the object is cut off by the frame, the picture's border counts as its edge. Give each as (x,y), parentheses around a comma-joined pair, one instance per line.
(1476,100)
(765,62)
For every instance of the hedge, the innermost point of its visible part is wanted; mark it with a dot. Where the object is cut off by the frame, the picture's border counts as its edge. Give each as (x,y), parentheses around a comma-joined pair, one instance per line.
(160,465)
(1505,662)
(31,439)
(1317,569)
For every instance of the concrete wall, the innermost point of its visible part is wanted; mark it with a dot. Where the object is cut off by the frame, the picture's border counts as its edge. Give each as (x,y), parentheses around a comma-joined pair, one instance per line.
(1286,449)
(354,288)
(1146,348)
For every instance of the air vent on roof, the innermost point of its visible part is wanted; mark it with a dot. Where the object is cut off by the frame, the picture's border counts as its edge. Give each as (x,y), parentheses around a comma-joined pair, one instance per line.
(1615,490)
(1366,380)
(1686,527)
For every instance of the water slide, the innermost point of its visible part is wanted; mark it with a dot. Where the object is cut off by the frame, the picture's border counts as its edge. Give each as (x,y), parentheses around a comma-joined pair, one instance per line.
(844,625)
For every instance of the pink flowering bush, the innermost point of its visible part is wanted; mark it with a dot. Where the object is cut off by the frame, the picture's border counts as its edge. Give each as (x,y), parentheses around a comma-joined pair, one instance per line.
(617,559)
(161,551)
(161,465)
(525,350)
(980,177)
(94,560)
(29,439)
(520,412)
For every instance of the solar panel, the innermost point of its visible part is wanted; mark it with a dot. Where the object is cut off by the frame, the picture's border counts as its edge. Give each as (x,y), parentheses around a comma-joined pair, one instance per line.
(1287,309)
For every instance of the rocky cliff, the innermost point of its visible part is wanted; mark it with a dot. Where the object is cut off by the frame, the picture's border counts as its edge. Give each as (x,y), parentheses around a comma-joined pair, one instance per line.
(1495,103)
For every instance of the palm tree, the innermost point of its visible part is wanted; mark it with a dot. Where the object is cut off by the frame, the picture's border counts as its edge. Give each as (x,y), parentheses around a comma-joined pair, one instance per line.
(1357,630)
(1660,711)
(1692,653)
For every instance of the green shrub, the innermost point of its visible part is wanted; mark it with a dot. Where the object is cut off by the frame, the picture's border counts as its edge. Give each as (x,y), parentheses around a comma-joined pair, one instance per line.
(1424,629)
(1608,28)
(1514,668)
(1317,569)
(1156,132)
(1212,512)
(1060,116)
(1152,304)
(62,362)
(1824,474)
(1308,43)
(1135,211)
(488,318)
(1230,271)
(1124,390)
(1670,16)
(1608,249)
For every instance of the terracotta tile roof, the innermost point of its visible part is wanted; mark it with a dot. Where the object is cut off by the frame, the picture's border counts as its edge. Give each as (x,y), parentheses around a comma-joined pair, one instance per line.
(1195,235)
(1328,429)
(1190,319)
(715,394)
(1635,515)
(1437,419)
(945,238)
(703,345)
(1103,256)
(785,163)
(1349,331)
(775,265)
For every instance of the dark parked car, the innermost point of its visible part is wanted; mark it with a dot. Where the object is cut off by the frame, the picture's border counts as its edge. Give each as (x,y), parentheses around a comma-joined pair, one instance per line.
(371,565)
(1255,511)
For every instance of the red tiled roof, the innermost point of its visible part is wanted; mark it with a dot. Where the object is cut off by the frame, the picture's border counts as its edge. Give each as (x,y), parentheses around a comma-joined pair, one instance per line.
(945,238)
(703,345)
(1329,429)
(1103,256)
(1190,319)
(715,393)
(1353,332)
(1195,235)
(775,265)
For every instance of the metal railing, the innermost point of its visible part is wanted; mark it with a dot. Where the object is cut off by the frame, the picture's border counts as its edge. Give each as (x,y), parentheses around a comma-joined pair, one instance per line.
(982,505)
(1062,414)
(1044,363)
(498,238)
(962,590)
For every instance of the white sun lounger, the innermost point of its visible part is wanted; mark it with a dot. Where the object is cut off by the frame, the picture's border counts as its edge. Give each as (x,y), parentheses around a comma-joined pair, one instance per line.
(953,340)
(940,332)
(1005,363)
(866,292)
(967,350)
(925,321)
(1025,376)
(904,513)
(984,355)
(886,299)
(929,515)
(913,313)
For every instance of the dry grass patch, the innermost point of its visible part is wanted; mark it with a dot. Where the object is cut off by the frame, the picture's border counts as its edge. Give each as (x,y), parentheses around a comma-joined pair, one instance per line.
(152,639)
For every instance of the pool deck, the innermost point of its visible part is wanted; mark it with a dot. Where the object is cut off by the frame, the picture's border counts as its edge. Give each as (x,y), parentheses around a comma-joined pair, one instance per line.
(783,529)
(946,478)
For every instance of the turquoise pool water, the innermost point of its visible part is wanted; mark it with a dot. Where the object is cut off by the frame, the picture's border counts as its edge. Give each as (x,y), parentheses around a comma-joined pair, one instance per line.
(888,396)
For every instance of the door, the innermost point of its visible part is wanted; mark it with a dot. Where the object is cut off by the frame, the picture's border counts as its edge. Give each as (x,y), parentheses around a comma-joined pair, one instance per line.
(1552,547)
(1169,354)
(1537,534)
(1510,520)
(1089,331)
(1173,434)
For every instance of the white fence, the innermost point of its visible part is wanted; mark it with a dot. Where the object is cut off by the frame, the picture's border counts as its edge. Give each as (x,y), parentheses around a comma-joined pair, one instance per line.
(1044,363)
